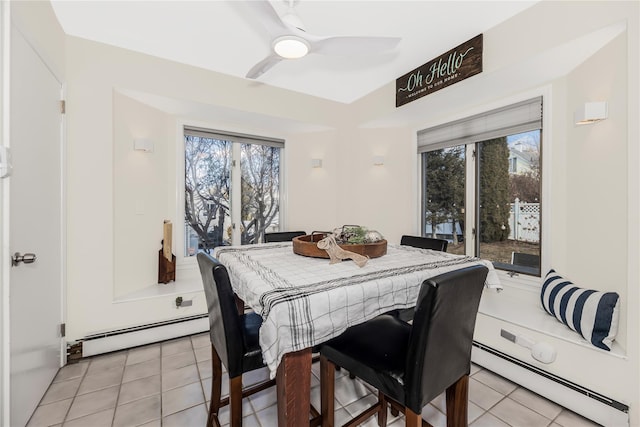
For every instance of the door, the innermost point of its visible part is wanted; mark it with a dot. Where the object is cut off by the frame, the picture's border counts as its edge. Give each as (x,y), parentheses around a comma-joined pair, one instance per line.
(35,226)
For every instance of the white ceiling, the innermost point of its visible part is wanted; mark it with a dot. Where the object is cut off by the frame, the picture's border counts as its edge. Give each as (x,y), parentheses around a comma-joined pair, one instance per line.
(224,36)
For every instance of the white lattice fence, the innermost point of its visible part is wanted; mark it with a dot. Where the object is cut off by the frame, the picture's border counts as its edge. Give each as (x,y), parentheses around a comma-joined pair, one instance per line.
(524,221)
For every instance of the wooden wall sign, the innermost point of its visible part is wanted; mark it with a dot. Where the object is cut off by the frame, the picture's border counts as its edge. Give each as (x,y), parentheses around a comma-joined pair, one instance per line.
(451,67)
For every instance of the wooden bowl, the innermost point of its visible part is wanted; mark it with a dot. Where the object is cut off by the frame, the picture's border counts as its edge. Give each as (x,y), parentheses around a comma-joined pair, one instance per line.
(307,246)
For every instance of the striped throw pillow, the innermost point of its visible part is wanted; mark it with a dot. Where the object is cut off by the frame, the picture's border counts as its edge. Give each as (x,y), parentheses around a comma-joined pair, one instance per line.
(592,314)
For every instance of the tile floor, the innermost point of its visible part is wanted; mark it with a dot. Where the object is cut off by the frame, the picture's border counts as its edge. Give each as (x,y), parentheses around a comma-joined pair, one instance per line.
(169,384)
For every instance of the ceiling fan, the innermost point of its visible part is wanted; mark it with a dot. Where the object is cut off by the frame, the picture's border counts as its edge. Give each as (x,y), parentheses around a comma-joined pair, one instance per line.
(289,39)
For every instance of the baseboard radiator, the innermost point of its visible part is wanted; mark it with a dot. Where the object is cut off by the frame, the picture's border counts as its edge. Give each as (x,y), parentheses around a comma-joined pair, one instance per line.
(589,404)
(121,339)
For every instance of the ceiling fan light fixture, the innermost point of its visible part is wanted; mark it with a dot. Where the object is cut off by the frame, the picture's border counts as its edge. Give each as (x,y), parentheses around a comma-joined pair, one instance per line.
(291,47)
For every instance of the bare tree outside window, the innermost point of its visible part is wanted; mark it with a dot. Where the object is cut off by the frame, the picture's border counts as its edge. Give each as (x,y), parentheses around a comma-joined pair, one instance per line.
(260,165)
(209,191)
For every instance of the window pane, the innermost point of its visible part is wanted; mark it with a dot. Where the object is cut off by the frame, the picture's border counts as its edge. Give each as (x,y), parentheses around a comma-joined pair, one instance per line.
(260,165)
(509,202)
(207,193)
(443,197)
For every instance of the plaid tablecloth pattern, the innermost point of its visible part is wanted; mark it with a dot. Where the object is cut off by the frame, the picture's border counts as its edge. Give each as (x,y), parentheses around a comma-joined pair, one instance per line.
(305,301)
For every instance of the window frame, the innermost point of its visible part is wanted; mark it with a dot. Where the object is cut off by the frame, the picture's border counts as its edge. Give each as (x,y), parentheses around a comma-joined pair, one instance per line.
(240,137)
(509,278)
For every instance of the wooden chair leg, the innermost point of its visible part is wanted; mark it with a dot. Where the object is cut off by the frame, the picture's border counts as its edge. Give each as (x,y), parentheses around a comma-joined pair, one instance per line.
(458,402)
(216,388)
(327,391)
(382,412)
(412,419)
(235,401)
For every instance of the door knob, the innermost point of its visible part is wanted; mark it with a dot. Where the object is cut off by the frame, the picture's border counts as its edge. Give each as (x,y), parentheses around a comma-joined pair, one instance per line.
(26,258)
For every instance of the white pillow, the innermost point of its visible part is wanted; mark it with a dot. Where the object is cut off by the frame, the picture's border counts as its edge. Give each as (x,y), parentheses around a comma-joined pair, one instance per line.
(592,314)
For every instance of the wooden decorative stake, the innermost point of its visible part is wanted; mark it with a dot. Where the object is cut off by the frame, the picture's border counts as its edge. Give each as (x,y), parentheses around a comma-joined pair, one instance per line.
(166,259)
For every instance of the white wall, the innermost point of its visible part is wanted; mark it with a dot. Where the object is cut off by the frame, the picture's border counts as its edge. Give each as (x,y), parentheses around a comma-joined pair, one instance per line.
(144,194)
(537,48)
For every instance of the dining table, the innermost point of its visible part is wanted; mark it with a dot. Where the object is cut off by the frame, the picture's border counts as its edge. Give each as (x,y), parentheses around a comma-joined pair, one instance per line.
(305,301)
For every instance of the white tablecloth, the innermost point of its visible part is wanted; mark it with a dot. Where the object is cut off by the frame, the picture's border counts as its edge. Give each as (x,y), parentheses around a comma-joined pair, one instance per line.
(305,301)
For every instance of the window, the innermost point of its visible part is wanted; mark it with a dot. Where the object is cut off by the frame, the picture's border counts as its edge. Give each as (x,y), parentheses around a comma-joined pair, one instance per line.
(472,188)
(232,188)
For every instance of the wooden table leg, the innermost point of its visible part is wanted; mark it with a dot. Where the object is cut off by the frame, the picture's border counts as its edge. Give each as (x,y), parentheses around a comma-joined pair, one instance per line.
(293,382)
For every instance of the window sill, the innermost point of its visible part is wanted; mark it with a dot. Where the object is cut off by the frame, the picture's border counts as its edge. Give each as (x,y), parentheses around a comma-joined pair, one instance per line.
(519,304)
(189,281)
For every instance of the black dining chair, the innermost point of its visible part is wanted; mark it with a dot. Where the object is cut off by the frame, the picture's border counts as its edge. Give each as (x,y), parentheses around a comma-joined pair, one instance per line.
(422,243)
(234,341)
(282,236)
(410,365)
(425,243)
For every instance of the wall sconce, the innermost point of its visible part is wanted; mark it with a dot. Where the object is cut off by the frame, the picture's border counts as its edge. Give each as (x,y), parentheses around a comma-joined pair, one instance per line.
(143,144)
(378,160)
(316,163)
(591,112)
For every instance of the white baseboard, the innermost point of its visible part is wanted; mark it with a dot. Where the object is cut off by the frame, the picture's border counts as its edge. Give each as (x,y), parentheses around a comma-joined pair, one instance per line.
(589,404)
(120,340)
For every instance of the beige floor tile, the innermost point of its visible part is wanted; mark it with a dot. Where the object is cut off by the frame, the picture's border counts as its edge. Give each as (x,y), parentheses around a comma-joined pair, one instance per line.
(515,414)
(201,340)
(203,353)
(53,413)
(173,380)
(138,412)
(99,419)
(178,360)
(99,364)
(568,418)
(143,354)
(138,389)
(205,369)
(483,395)
(264,399)
(180,377)
(61,390)
(536,402)
(499,384)
(141,370)
(195,416)
(433,416)
(181,398)
(179,345)
(91,403)
(348,391)
(72,371)
(99,381)
(488,420)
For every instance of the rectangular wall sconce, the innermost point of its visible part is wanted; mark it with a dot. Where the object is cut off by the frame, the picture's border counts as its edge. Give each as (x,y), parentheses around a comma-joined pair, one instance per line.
(378,160)
(143,144)
(316,163)
(590,112)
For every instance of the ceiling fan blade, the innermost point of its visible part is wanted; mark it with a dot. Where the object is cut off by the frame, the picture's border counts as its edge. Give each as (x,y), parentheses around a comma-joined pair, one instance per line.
(263,66)
(352,45)
(268,17)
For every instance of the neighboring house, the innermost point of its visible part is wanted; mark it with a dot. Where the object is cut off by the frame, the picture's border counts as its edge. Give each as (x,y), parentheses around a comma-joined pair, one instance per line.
(521,159)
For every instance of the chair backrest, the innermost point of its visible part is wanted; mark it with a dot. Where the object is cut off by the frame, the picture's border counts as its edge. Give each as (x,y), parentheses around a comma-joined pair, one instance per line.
(424,243)
(224,321)
(282,236)
(439,351)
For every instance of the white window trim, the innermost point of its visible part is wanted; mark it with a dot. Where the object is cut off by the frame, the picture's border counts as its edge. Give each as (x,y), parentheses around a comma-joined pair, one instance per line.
(519,280)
